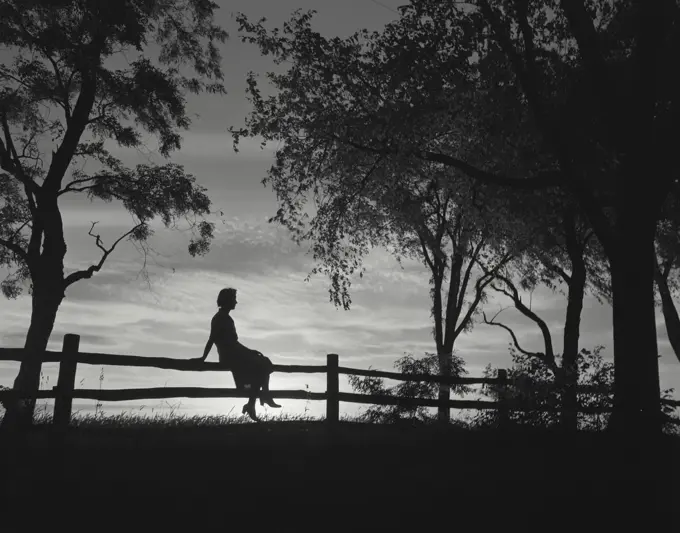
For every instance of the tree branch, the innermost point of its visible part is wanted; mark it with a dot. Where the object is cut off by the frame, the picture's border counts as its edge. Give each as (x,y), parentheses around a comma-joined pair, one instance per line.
(566,277)
(545,179)
(545,331)
(364,181)
(480,285)
(539,355)
(48,54)
(26,223)
(99,178)
(64,154)
(468,271)
(455,289)
(102,112)
(89,272)
(64,90)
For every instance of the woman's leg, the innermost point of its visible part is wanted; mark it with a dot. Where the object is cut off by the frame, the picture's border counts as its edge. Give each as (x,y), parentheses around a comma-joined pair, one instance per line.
(243,382)
(254,393)
(266,369)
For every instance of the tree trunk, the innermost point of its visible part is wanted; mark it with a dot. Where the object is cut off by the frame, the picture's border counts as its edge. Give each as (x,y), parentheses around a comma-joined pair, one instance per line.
(45,304)
(670,313)
(636,372)
(47,276)
(444,413)
(453,312)
(572,325)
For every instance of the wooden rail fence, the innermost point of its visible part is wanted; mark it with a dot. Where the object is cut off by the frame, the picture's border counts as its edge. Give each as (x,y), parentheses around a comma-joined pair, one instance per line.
(70,356)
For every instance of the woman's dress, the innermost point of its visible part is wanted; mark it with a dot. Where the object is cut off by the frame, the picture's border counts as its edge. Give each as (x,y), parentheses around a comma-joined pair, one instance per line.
(248,366)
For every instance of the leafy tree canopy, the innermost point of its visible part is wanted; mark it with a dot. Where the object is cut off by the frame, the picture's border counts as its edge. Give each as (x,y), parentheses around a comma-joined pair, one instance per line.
(65,91)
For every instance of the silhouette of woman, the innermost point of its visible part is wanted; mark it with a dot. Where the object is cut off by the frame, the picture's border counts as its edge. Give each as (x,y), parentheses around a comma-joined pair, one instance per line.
(249,367)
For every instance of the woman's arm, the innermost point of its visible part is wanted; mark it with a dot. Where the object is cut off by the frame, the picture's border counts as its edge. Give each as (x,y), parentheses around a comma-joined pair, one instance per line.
(211,340)
(208,347)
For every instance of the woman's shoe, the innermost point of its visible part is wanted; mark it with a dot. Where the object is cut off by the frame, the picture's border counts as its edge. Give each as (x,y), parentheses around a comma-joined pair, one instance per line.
(250,411)
(269,401)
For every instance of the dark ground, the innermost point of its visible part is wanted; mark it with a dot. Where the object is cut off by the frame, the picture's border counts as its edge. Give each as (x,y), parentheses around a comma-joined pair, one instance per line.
(301,474)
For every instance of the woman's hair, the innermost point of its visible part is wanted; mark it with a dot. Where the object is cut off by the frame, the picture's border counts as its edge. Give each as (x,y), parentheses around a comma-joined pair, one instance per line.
(225,296)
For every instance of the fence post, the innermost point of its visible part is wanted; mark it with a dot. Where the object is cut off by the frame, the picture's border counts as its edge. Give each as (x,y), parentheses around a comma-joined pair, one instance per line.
(63,401)
(503,407)
(332,389)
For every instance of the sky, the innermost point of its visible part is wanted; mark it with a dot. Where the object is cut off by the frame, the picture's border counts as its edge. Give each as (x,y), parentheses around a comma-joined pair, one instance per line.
(280,314)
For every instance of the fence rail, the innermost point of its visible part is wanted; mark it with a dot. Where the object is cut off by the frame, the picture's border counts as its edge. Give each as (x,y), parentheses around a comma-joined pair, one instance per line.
(70,357)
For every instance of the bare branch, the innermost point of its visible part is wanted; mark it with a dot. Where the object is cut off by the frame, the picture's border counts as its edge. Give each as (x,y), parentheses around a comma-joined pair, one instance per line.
(89,272)
(539,355)
(519,305)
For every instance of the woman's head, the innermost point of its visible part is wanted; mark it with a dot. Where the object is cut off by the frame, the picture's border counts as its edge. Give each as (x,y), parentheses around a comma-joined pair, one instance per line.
(227,298)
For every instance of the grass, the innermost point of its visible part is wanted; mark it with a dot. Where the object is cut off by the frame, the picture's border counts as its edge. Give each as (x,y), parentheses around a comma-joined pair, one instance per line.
(159,461)
(297,469)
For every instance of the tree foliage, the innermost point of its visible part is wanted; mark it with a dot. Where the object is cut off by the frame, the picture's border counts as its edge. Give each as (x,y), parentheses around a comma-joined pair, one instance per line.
(428,365)
(533,388)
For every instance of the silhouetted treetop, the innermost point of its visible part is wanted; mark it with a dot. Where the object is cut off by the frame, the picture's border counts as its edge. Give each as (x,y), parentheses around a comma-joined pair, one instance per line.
(85,72)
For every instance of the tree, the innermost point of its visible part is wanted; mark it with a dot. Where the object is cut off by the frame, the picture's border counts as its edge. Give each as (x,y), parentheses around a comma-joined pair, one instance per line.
(571,94)
(441,228)
(62,89)
(361,203)
(363,200)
